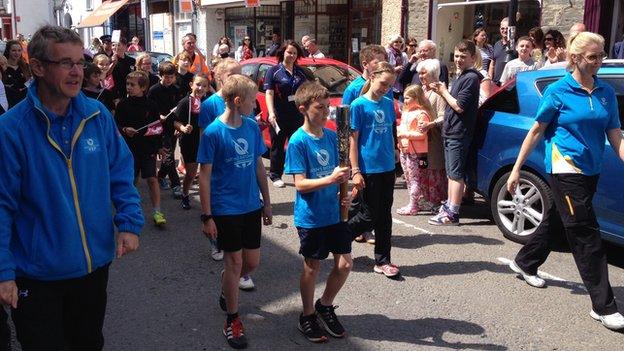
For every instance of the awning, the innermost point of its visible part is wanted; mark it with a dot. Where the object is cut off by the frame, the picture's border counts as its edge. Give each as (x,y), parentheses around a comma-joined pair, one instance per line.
(234,3)
(102,13)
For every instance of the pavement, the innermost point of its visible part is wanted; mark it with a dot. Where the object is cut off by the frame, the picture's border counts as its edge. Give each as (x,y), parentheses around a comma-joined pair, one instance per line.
(456,291)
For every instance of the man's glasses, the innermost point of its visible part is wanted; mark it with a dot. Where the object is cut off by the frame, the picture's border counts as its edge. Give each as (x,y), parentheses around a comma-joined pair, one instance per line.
(68,64)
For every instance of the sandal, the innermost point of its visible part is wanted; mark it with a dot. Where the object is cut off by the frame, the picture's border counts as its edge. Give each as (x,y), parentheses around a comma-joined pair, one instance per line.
(407,211)
(360,238)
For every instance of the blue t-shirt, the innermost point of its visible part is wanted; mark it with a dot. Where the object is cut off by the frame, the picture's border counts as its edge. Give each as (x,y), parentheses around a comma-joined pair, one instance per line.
(374,120)
(211,108)
(233,153)
(354,89)
(578,122)
(316,158)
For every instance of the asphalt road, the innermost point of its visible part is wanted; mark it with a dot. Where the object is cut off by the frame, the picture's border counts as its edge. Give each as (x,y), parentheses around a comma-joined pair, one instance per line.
(456,293)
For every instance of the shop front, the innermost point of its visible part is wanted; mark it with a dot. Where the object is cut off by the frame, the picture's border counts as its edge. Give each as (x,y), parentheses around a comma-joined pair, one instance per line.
(341,27)
(454,20)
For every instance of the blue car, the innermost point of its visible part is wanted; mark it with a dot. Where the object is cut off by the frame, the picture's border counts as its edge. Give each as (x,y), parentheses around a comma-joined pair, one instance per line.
(504,121)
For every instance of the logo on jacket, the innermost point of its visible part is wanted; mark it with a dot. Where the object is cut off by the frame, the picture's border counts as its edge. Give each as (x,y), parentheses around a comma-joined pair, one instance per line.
(91,145)
(603,101)
(23,293)
(322,156)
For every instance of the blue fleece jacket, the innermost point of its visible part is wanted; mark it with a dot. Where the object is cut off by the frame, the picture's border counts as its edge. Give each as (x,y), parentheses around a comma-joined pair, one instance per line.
(56,219)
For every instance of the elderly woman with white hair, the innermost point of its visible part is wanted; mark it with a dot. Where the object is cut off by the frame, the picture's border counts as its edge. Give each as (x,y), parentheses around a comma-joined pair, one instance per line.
(398,59)
(434,177)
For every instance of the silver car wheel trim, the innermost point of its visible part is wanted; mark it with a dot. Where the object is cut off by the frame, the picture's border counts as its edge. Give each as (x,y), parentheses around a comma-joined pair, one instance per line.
(524,207)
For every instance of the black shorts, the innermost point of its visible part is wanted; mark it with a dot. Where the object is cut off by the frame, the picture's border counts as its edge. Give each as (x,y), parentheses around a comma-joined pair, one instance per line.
(238,232)
(188,149)
(144,165)
(317,243)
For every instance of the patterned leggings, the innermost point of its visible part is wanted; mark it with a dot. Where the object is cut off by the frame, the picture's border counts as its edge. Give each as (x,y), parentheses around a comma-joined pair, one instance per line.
(423,183)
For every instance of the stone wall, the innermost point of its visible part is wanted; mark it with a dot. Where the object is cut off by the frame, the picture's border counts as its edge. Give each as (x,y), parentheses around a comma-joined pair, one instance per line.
(418,19)
(562,14)
(390,19)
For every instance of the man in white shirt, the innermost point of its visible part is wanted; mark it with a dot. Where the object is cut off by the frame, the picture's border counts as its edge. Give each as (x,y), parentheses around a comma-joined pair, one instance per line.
(313,49)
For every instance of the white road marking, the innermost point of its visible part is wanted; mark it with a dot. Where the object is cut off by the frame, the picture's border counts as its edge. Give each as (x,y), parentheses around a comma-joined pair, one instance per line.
(407,225)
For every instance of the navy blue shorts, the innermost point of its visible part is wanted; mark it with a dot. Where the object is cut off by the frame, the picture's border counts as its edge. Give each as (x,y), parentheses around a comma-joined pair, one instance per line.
(455,157)
(317,243)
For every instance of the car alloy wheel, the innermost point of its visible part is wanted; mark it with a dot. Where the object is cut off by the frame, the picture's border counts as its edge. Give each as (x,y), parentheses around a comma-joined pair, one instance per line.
(520,214)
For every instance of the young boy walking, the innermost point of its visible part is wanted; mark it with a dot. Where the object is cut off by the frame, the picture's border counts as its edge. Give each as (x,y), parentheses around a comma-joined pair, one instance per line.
(312,159)
(231,179)
(132,113)
(459,123)
(166,95)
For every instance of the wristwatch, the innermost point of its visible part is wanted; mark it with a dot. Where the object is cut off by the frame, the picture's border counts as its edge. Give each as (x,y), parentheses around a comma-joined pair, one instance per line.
(205,217)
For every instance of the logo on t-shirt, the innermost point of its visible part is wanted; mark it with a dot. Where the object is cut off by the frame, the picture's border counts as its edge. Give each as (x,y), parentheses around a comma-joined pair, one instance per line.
(243,158)
(322,156)
(603,101)
(241,146)
(380,126)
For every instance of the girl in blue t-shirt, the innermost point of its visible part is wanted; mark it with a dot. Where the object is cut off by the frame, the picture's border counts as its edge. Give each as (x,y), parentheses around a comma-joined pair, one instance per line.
(373,125)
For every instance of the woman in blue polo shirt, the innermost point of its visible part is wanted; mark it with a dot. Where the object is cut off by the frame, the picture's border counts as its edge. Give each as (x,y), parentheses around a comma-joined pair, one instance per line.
(281,82)
(574,116)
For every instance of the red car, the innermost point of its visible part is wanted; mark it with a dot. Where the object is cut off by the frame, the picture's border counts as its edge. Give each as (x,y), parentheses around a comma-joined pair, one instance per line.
(333,75)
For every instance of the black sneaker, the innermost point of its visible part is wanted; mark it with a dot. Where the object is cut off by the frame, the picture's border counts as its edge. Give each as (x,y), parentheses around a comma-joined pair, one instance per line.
(235,334)
(309,327)
(186,202)
(222,302)
(328,319)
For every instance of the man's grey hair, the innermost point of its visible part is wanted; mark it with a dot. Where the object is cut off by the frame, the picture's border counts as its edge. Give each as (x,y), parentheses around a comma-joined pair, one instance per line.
(40,43)
(431,66)
(429,42)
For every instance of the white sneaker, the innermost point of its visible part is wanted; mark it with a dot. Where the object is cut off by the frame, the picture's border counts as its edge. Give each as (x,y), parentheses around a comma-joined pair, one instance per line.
(613,321)
(216,254)
(245,283)
(278,183)
(532,280)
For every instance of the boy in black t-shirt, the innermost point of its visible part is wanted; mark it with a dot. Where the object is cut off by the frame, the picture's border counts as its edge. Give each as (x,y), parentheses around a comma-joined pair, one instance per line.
(166,94)
(459,124)
(184,76)
(132,114)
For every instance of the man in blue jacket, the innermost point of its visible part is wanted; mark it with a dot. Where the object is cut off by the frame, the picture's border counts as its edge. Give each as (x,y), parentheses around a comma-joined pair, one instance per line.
(65,166)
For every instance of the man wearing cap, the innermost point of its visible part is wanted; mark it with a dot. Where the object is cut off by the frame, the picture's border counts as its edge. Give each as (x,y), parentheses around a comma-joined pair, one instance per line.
(107,47)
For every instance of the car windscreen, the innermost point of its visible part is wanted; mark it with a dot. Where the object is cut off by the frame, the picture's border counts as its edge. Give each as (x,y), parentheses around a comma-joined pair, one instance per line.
(333,77)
